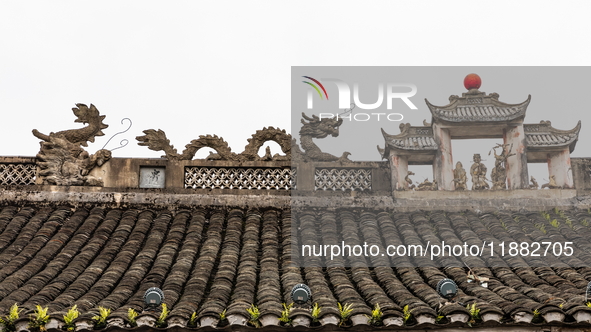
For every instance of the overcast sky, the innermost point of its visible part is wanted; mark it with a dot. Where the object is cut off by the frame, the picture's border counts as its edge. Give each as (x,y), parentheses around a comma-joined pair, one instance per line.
(224,67)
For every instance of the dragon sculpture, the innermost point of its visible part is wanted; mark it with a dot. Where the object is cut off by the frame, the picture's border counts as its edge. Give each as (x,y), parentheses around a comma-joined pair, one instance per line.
(319,128)
(62,160)
(156,140)
(314,128)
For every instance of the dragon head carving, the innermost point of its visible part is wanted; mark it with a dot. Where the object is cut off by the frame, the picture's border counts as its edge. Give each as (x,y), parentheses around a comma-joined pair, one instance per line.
(86,115)
(315,127)
(62,160)
(320,128)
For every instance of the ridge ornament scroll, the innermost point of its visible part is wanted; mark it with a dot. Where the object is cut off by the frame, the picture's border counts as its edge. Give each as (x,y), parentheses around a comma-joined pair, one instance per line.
(62,160)
(156,140)
(124,141)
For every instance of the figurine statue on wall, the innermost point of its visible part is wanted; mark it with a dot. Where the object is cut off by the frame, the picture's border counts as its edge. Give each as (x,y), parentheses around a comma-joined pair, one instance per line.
(460,178)
(534,184)
(499,173)
(551,184)
(411,186)
(478,173)
(63,161)
(427,185)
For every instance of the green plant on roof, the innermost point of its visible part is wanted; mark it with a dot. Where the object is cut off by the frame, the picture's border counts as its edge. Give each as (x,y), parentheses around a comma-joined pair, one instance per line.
(100,320)
(254,313)
(585,223)
(439,318)
(546,215)
(541,227)
(561,214)
(316,310)
(223,315)
(345,312)
(376,316)
(568,222)
(131,315)
(588,304)
(555,223)
(69,318)
(285,314)
(193,320)
(406,315)
(8,321)
(474,312)
(537,317)
(161,321)
(39,319)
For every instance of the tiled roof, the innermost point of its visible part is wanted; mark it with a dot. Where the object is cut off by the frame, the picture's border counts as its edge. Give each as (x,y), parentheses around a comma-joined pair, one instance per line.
(543,135)
(413,138)
(207,260)
(415,143)
(476,106)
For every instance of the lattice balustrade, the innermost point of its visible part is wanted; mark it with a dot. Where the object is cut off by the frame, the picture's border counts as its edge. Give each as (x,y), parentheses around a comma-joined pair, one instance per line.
(240,178)
(356,179)
(18,174)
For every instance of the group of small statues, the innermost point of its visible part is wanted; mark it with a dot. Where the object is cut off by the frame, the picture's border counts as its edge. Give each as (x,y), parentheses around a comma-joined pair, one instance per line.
(478,174)
(423,186)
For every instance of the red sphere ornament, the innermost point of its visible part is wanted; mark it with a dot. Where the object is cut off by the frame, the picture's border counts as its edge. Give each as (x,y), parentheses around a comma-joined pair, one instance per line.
(472,81)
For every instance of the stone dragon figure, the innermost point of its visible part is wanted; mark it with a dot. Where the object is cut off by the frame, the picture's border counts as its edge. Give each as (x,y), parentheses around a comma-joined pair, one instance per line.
(63,161)
(156,140)
(314,128)
(319,128)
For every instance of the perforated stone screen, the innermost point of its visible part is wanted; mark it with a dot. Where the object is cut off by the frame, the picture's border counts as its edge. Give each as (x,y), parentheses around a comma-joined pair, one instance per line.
(18,174)
(239,178)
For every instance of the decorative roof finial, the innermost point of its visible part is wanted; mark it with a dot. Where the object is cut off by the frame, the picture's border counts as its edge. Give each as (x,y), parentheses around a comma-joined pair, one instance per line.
(472,81)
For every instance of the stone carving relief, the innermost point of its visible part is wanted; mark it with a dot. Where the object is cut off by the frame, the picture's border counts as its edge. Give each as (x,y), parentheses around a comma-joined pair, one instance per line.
(427,185)
(478,173)
(409,180)
(551,184)
(534,184)
(156,140)
(460,178)
(63,161)
(499,173)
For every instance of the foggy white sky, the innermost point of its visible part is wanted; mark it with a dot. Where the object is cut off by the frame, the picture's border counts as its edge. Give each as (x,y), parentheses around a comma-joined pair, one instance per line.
(193,68)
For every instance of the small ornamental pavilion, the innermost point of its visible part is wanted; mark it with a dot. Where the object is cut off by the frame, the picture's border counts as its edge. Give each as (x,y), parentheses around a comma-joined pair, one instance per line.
(479,115)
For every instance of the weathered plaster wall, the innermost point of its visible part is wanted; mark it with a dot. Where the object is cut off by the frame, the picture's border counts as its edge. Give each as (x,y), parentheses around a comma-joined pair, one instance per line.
(487,201)
(516,166)
(399,169)
(559,166)
(443,165)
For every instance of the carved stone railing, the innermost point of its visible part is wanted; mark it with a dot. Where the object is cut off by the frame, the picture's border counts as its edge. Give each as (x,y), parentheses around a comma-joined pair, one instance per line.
(221,176)
(271,178)
(343,179)
(335,177)
(17,171)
